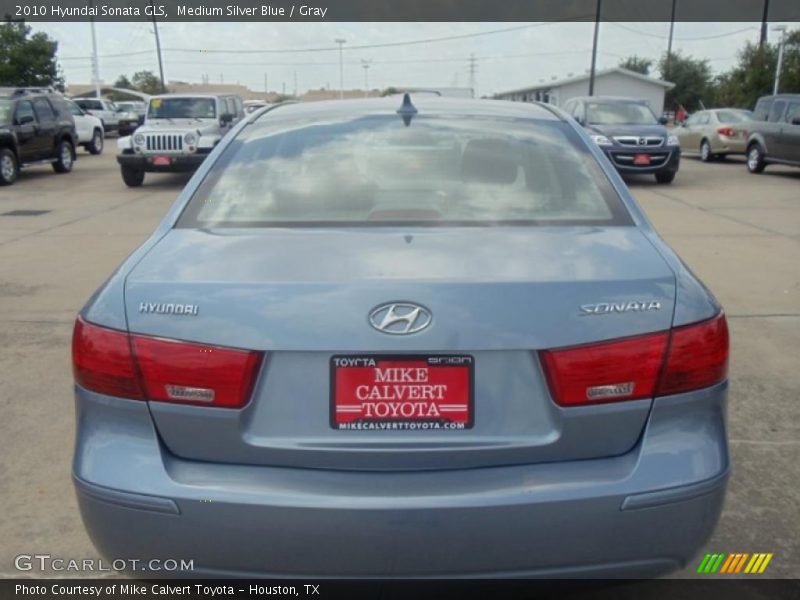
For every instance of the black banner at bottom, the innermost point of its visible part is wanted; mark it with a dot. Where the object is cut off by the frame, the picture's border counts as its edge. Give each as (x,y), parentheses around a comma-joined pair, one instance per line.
(505,589)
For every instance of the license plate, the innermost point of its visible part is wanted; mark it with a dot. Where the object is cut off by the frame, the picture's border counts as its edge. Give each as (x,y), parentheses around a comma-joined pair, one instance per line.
(161,160)
(402,393)
(641,159)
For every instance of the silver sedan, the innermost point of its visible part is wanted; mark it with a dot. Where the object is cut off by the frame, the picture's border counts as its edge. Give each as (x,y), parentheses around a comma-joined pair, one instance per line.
(714,133)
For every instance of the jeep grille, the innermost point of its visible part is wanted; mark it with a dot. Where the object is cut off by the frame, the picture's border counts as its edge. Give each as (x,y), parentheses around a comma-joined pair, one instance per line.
(164,142)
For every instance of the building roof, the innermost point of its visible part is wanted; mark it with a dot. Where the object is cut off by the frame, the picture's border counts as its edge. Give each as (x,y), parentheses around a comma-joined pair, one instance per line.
(548,85)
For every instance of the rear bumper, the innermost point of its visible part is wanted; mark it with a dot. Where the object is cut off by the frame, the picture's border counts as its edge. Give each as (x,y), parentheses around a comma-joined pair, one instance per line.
(729,145)
(178,164)
(639,514)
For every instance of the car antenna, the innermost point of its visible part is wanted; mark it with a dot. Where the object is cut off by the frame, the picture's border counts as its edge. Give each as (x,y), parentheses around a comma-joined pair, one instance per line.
(407,110)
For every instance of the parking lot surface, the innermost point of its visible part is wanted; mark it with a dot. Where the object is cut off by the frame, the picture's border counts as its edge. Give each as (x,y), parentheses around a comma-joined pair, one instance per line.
(739,232)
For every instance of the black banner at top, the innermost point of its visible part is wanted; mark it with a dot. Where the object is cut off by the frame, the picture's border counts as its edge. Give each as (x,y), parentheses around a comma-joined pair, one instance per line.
(399,10)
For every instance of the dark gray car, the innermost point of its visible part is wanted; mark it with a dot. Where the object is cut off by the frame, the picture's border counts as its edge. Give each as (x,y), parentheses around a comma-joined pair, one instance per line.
(774,133)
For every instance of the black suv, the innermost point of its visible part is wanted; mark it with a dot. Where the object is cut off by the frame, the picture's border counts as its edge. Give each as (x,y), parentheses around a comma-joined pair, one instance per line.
(36,127)
(631,136)
(774,132)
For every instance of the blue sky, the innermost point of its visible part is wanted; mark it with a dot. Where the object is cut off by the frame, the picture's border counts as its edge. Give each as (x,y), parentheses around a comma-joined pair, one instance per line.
(506,60)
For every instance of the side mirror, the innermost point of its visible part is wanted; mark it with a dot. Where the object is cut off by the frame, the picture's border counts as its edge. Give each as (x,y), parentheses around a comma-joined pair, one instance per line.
(225,118)
(663,120)
(24,119)
(581,121)
(795,120)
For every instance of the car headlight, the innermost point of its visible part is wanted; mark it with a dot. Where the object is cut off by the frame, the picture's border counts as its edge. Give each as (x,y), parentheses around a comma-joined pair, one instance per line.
(138,139)
(673,141)
(190,138)
(601,140)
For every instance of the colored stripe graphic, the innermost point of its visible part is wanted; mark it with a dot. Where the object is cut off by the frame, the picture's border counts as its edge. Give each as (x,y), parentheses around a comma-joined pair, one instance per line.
(737,562)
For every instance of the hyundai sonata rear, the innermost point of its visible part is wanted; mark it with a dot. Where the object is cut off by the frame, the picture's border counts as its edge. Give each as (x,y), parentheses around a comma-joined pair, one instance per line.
(403,338)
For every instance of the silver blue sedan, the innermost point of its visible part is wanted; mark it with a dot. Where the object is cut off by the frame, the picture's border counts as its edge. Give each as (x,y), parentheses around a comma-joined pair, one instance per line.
(403,337)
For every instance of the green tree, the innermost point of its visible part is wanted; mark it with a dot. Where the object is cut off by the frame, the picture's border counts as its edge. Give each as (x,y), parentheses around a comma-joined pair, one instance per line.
(637,64)
(754,75)
(27,60)
(692,78)
(147,82)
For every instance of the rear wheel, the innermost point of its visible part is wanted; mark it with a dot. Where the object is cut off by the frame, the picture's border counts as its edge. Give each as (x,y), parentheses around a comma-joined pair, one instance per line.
(132,177)
(755,159)
(96,145)
(705,152)
(9,167)
(65,157)
(665,177)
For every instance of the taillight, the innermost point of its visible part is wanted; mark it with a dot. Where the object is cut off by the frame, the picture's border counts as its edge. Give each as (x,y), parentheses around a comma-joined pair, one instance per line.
(659,364)
(606,372)
(147,368)
(697,357)
(727,131)
(102,361)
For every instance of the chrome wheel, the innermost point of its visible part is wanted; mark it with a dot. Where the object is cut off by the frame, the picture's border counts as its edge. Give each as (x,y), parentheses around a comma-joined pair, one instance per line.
(705,152)
(66,156)
(8,167)
(97,142)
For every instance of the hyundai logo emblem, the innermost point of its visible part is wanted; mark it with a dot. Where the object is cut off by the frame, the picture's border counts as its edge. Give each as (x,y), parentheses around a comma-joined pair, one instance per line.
(400,318)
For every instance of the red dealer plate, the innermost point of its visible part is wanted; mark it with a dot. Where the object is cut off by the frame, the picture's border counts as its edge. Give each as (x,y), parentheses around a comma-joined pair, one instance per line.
(402,393)
(641,159)
(161,160)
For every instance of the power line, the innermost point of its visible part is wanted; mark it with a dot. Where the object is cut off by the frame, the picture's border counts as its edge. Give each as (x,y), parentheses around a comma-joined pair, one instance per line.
(683,39)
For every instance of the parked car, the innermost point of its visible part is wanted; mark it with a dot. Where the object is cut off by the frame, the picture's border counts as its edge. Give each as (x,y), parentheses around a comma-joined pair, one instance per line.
(178,133)
(103,109)
(131,115)
(403,337)
(774,135)
(36,127)
(630,135)
(88,128)
(715,133)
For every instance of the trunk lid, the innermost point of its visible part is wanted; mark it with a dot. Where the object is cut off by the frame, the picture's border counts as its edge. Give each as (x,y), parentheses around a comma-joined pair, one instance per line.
(304,296)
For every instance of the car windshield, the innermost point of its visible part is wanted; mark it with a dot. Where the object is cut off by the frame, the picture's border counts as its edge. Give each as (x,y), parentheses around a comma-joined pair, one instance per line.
(375,170)
(734,116)
(181,108)
(6,107)
(74,109)
(619,113)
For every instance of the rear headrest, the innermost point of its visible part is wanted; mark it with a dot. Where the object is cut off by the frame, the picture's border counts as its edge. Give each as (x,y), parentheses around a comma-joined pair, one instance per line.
(489,161)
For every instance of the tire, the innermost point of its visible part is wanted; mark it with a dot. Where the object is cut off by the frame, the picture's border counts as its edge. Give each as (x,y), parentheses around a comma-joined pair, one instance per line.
(9,167)
(705,152)
(755,158)
(132,177)
(96,145)
(65,157)
(665,176)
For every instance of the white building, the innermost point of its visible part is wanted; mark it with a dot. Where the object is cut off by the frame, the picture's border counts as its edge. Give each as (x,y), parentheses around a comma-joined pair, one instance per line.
(608,82)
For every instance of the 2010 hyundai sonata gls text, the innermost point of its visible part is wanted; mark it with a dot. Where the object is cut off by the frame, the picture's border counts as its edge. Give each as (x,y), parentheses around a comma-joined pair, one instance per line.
(403,337)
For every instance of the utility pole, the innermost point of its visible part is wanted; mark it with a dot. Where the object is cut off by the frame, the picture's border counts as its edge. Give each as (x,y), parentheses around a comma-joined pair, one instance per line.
(764,20)
(669,44)
(295,84)
(365,65)
(266,87)
(782,29)
(472,68)
(158,51)
(594,46)
(341,43)
(95,62)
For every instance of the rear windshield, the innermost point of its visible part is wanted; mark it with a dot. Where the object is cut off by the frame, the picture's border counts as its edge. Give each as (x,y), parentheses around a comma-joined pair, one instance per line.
(181,108)
(620,113)
(376,170)
(734,116)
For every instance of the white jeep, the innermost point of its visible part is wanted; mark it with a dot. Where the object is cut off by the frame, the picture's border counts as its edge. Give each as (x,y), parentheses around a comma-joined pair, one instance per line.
(179,131)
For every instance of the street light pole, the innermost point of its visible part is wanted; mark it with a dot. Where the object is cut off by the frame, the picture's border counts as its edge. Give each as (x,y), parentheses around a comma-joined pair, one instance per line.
(782,29)
(158,51)
(594,47)
(341,43)
(365,66)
